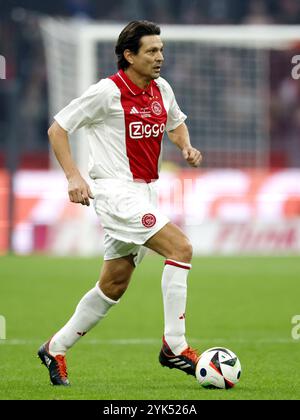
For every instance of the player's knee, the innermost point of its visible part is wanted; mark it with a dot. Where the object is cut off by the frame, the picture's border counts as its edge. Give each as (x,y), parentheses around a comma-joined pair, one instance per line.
(183,251)
(187,252)
(118,289)
(115,286)
(114,290)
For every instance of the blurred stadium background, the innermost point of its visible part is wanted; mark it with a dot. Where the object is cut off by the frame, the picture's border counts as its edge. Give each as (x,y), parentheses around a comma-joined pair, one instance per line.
(233,66)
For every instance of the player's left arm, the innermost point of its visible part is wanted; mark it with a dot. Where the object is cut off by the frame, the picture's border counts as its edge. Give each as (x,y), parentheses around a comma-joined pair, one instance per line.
(181,138)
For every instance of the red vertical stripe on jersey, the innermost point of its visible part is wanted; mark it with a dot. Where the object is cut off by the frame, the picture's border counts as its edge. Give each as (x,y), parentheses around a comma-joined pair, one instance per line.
(145,121)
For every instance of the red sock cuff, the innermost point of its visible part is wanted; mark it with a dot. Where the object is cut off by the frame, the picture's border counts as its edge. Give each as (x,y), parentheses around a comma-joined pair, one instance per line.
(178,264)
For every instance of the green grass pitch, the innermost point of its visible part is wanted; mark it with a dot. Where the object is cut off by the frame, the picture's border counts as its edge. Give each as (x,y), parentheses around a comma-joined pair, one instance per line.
(245,304)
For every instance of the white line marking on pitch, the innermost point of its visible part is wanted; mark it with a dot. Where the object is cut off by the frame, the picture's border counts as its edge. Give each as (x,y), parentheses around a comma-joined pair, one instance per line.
(153,341)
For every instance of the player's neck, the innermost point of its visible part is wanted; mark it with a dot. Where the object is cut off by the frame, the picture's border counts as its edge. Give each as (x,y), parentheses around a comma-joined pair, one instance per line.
(137,79)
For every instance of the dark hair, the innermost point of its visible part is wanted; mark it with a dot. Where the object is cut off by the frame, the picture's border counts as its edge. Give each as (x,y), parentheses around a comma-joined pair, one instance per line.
(130,38)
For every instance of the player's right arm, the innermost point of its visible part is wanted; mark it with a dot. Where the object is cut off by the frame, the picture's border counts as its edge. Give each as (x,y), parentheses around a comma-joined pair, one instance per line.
(78,189)
(90,108)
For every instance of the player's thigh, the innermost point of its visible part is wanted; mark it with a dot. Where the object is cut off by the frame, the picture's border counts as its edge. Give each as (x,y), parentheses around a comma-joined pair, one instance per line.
(171,242)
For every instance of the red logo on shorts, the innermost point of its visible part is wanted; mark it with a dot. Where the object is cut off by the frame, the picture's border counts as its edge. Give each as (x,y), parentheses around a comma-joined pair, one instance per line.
(149,220)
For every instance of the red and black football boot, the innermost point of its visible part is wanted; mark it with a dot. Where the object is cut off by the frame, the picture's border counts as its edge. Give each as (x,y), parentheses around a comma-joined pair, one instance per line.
(56,365)
(185,361)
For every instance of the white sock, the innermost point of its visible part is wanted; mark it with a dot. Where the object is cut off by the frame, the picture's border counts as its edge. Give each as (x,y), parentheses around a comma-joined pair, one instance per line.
(174,290)
(90,310)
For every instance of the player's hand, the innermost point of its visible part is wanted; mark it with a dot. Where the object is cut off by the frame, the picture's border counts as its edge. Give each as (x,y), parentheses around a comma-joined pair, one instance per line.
(79,190)
(192,156)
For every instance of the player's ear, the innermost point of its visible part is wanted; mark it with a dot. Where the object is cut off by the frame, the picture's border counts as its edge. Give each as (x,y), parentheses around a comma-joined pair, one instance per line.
(128,56)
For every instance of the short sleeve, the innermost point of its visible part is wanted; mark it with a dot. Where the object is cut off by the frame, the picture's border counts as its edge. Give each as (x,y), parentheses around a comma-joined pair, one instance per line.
(90,108)
(175,115)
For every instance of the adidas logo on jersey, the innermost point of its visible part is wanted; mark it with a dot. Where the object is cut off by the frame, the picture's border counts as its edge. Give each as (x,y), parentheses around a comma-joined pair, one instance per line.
(134,110)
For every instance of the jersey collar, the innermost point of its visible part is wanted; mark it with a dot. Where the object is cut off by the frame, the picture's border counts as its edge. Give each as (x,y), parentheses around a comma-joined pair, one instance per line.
(133,88)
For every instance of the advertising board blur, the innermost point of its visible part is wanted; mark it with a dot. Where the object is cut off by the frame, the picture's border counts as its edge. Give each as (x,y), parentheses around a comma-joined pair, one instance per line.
(222,211)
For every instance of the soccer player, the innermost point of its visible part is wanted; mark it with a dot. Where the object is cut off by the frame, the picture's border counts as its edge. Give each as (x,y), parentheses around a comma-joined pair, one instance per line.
(125,116)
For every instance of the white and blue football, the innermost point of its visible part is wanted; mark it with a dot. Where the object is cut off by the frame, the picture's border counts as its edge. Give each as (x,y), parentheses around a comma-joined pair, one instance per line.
(218,367)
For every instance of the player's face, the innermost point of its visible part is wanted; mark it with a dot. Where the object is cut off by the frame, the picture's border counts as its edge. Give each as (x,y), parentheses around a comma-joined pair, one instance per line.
(148,61)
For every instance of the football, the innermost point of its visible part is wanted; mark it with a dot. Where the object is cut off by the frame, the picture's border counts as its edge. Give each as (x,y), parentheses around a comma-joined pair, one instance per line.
(218,367)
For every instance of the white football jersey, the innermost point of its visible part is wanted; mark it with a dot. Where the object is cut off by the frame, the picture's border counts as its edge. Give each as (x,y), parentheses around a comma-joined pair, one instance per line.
(124,126)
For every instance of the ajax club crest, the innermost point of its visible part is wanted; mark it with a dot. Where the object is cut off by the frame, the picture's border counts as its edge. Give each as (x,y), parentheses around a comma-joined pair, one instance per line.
(156,108)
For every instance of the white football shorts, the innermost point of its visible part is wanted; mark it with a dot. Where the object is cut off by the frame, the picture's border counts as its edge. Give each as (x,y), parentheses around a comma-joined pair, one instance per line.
(129,214)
